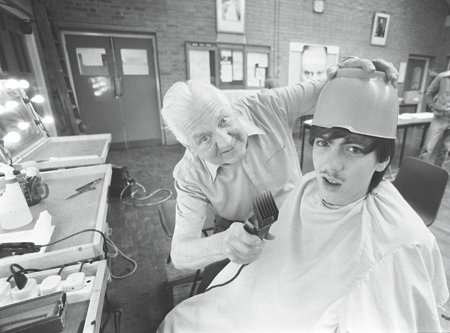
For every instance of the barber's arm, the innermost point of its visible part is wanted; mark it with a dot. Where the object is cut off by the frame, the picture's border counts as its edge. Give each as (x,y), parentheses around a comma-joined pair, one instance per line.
(191,250)
(235,243)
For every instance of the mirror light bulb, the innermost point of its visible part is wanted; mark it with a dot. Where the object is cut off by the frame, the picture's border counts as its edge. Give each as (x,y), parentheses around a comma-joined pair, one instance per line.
(9,105)
(12,137)
(48,120)
(24,84)
(37,99)
(23,125)
(12,84)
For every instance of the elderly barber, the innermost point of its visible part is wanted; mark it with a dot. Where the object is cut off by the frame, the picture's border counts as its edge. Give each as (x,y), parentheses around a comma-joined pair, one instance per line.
(233,153)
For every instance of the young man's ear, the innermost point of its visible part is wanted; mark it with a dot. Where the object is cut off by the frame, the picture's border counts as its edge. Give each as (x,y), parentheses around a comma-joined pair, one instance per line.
(381,166)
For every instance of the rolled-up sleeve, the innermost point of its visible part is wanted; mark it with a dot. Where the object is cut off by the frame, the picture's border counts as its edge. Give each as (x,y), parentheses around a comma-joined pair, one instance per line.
(190,211)
(297,100)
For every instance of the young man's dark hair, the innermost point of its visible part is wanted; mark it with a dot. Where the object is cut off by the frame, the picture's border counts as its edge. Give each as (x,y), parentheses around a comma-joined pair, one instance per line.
(384,148)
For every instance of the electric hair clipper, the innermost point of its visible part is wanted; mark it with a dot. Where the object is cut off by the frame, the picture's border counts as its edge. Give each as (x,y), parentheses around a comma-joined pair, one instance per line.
(265,213)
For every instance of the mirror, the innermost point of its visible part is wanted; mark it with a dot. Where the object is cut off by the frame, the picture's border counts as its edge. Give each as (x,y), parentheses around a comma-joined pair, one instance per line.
(19,123)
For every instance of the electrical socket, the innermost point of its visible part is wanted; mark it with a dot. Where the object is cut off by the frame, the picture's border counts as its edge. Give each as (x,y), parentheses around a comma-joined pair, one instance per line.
(83,294)
(77,286)
(5,293)
(74,281)
(50,285)
(30,290)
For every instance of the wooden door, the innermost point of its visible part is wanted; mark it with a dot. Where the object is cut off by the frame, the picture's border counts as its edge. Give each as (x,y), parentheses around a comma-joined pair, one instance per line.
(415,80)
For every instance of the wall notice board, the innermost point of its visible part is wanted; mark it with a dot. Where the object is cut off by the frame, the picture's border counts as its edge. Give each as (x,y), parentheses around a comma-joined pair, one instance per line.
(228,66)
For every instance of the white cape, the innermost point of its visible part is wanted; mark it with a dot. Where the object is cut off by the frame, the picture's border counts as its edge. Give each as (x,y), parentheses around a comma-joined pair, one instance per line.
(371,266)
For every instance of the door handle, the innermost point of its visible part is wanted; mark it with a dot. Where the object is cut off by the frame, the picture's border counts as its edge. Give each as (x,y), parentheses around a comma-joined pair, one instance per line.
(118,87)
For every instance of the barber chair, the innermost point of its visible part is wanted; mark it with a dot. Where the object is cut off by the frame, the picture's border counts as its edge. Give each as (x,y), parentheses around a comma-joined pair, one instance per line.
(422,185)
(176,277)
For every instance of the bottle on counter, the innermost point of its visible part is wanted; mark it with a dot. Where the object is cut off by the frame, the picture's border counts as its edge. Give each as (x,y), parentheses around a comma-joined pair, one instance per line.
(14,211)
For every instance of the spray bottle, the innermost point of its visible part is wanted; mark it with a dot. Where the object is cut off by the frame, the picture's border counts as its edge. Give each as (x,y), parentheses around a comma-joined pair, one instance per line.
(14,211)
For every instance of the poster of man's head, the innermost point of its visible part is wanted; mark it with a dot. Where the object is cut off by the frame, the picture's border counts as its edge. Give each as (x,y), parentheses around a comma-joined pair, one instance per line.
(314,63)
(309,62)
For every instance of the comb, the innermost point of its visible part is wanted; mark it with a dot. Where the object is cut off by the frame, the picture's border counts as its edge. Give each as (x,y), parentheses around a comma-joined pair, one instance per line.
(265,213)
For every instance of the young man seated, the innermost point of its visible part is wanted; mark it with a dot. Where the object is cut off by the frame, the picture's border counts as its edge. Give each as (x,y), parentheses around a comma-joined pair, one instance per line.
(349,254)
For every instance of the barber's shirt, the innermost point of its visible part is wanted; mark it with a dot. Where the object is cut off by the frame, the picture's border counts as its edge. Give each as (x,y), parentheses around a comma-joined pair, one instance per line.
(270,163)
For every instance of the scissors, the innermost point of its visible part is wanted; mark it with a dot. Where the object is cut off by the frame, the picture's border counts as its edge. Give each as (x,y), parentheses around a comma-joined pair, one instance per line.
(85,188)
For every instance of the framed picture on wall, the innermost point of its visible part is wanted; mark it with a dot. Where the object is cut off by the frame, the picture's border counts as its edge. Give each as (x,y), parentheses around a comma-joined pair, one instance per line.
(380,27)
(230,16)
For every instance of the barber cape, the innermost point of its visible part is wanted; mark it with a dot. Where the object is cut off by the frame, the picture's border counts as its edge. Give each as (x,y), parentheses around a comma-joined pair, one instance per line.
(370,266)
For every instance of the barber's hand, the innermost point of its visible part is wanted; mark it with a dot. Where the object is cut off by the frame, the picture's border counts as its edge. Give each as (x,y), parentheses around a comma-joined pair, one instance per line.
(240,246)
(367,65)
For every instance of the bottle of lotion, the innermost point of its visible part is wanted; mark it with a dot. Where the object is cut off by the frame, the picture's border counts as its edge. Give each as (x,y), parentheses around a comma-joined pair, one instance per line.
(14,211)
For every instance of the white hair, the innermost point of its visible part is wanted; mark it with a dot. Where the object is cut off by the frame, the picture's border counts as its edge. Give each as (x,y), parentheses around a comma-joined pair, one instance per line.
(186,100)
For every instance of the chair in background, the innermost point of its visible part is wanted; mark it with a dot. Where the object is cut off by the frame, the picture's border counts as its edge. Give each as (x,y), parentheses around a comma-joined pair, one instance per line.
(166,212)
(422,185)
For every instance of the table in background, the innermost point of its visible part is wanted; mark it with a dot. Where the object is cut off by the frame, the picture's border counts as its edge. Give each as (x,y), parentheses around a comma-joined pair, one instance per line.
(405,120)
(407,108)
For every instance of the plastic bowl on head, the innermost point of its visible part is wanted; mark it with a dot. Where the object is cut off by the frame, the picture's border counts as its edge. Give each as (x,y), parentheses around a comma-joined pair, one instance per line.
(360,101)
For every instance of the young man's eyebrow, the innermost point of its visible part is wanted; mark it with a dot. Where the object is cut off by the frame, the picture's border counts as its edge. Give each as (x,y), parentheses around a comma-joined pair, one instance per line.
(357,139)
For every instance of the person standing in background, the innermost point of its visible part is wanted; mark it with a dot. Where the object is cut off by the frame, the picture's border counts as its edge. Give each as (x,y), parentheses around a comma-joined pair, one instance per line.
(437,98)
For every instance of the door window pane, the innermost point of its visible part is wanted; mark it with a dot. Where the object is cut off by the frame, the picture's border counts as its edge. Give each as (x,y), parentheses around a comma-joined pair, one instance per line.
(134,61)
(92,61)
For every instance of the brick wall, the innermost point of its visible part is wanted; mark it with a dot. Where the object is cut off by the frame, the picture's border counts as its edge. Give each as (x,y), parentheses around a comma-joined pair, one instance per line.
(416,27)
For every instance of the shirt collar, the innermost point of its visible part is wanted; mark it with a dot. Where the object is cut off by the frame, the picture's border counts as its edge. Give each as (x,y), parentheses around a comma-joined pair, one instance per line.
(250,128)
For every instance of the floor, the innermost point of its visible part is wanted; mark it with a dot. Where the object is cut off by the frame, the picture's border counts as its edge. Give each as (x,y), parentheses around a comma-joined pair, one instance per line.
(144,298)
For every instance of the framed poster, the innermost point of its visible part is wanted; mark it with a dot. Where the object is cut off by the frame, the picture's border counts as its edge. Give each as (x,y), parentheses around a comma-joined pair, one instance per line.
(230,16)
(309,62)
(380,27)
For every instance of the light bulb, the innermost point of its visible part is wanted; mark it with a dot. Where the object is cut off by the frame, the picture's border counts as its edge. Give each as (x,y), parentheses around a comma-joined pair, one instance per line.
(12,84)
(37,99)
(12,137)
(2,109)
(48,120)
(23,125)
(24,84)
(9,105)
